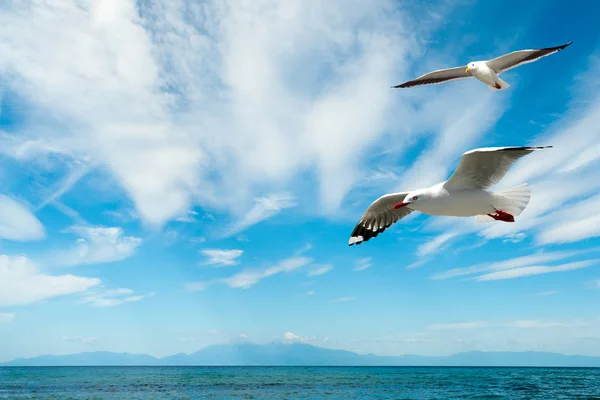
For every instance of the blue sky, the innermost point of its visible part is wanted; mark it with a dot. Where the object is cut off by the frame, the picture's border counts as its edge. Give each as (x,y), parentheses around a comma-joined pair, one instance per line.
(177,174)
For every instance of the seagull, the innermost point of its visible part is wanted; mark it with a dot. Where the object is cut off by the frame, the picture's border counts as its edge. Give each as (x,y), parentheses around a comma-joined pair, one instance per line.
(486,71)
(464,194)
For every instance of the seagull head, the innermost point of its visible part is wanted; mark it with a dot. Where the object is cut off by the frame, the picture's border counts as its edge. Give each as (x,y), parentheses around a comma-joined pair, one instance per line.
(471,66)
(411,198)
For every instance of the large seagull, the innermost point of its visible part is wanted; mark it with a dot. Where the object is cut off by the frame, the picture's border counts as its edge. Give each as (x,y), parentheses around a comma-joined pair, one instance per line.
(486,71)
(464,194)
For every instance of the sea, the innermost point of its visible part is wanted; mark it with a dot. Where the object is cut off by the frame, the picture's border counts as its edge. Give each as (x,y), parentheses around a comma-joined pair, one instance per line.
(419,383)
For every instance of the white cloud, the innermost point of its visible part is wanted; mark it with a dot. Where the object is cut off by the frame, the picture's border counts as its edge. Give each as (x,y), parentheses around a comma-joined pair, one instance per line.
(113,297)
(341,299)
(435,244)
(196,286)
(546,293)
(264,208)
(534,270)
(516,238)
(459,326)
(290,337)
(363,263)
(252,276)
(190,216)
(221,257)
(516,324)
(17,222)
(22,283)
(214,103)
(96,245)
(320,270)
(6,317)
(81,339)
(310,292)
(533,259)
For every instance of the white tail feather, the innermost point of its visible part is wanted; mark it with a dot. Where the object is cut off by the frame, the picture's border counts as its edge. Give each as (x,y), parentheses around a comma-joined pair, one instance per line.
(512,201)
(503,86)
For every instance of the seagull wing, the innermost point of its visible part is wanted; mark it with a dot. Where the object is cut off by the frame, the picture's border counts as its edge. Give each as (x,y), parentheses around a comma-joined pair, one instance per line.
(439,76)
(482,168)
(378,217)
(516,58)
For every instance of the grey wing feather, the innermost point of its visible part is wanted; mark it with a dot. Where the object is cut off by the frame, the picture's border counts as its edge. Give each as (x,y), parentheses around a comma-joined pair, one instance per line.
(482,168)
(516,58)
(439,76)
(378,217)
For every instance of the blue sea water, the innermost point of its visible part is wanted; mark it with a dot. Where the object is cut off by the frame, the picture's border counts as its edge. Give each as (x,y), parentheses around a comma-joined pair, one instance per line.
(298,383)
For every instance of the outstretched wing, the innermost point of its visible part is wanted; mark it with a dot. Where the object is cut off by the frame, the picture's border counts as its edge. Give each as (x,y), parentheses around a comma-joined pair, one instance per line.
(439,76)
(482,168)
(516,58)
(378,217)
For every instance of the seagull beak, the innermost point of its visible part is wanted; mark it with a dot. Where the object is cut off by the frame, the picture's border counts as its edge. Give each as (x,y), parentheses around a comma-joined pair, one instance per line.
(399,205)
(468,69)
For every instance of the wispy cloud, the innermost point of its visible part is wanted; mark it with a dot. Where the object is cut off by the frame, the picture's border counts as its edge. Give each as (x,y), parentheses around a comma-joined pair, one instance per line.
(290,337)
(189,217)
(310,292)
(97,244)
(542,294)
(435,245)
(264,208)
(221,257)
(341,299)
(516,238)
(250,277)
(533,259)
(81,339)
(113,297)
(323,269)
(6,317)
(180,123)
(363,263)
(459,326)
(17,222)
(534,270)
(514,324)
(21,282)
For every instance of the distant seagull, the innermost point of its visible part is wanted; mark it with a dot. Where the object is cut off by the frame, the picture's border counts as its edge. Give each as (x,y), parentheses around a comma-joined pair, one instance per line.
(464,194)
(486,71)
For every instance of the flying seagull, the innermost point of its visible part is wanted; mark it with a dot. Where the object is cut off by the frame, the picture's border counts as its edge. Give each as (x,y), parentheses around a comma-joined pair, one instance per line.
(486,71)
(464,194)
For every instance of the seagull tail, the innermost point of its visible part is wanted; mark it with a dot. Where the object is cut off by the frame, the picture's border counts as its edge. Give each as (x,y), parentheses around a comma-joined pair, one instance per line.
(513,200)
(502,85)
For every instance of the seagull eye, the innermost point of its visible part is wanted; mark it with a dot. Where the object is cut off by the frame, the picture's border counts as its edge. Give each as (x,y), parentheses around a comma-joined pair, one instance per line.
(415,197)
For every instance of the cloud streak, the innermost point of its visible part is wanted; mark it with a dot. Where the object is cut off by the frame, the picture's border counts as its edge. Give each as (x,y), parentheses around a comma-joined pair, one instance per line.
(221,257)
(96,245)
(17,222)
(21,282)
(113,297)
(252,276)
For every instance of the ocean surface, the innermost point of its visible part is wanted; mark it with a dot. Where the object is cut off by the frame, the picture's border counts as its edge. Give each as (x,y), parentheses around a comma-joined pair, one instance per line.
(298,383)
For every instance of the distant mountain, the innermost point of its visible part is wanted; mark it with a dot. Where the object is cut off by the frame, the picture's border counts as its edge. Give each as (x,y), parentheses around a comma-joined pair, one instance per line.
(97,358)
(297,354)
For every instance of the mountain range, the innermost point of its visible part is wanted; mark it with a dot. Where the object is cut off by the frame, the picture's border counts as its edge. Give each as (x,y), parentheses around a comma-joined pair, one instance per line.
(300,354)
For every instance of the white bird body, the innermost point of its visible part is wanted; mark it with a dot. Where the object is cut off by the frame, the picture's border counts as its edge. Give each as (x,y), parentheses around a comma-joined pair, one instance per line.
(437,200)
(464,194)
(486,71)
(485,74)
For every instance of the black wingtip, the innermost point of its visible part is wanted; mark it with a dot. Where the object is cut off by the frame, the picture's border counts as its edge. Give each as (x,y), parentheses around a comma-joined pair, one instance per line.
(564,46)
